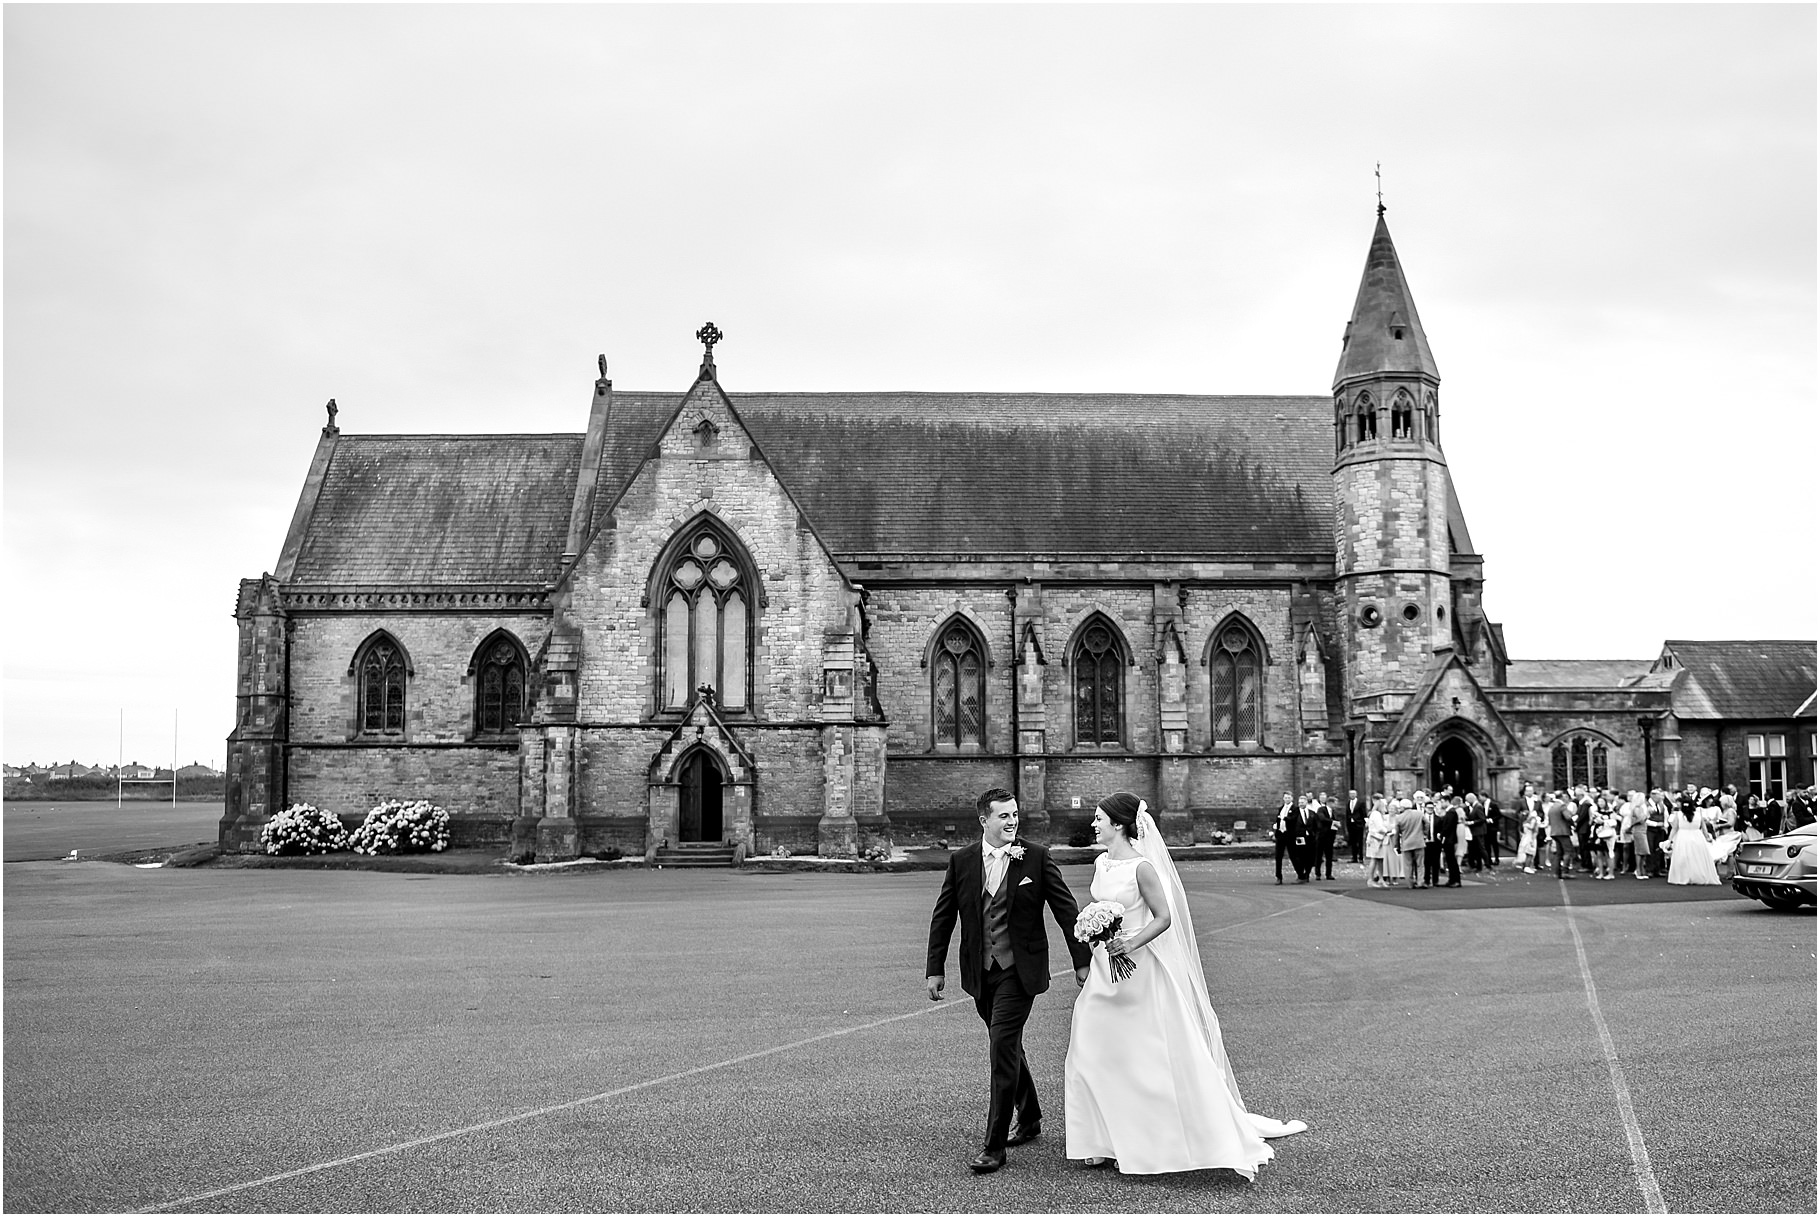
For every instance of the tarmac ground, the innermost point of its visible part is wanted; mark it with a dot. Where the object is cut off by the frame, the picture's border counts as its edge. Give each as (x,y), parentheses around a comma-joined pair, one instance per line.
(277,1040)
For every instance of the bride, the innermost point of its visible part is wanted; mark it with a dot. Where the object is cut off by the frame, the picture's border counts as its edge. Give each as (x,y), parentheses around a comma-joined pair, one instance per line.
(1148,1082)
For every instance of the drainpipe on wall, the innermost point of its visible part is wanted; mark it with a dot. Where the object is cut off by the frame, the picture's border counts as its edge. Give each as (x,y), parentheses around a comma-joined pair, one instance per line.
(1011,657)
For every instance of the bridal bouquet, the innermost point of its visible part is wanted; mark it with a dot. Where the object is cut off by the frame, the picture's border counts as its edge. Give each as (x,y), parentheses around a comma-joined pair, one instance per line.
(1099,923)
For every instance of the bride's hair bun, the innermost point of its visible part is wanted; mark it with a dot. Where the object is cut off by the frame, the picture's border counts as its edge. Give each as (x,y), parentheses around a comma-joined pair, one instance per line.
(1122,809)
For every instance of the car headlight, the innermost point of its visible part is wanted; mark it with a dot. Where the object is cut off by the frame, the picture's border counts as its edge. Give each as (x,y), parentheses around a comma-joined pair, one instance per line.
(1794,851)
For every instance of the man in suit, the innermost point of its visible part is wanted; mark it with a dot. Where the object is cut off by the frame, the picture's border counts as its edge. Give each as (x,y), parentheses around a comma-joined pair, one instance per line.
(1558,816)
(1447,829)
(1494,826)
(1583,808)
(1431,833)
(1474,818)
(998,891)
(1280,834)
(1356,811)
(1411,840)
(1325,830)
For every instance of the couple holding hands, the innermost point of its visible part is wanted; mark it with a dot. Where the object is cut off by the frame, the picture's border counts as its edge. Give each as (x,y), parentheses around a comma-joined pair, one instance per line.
(1147,1083)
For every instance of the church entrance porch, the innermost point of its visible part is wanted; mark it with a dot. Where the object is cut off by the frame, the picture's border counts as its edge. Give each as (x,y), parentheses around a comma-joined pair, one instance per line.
(699,799)
(1453,764)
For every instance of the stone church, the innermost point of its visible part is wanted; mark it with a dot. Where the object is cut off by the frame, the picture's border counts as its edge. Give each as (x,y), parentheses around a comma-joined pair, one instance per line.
(827,620)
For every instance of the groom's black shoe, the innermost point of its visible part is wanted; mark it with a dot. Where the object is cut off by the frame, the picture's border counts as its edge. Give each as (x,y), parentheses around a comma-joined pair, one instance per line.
(1022,1133)
(987,1161)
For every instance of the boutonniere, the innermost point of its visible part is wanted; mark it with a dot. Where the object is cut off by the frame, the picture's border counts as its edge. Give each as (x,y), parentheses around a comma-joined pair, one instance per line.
(1015,853)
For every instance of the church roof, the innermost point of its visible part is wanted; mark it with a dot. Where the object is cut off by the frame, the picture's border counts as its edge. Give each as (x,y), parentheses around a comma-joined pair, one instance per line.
(1384,335)
(1050,473)
(1574,673)
(440,510)
(1760,679)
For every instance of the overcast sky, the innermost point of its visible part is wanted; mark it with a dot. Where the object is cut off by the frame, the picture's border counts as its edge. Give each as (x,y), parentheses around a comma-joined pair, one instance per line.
(219,217)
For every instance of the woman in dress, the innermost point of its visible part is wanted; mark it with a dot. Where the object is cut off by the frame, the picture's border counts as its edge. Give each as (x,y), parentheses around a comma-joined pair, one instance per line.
(1637,814)
(1378,828)
(1148,1082)
(1689,859)
(1530,843)
(1605,838)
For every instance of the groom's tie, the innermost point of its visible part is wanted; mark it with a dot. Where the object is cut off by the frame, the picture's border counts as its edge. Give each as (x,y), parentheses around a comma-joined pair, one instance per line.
(995,870)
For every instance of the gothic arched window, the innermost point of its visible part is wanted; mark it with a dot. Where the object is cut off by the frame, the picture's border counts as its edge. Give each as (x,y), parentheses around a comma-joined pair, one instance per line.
(1238,687)
(499,684)
(1099,685)
(380,676)
(1581,761)
(704,596)
(957,687)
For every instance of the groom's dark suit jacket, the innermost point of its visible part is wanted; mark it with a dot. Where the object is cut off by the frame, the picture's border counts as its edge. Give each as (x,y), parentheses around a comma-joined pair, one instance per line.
(1035,880)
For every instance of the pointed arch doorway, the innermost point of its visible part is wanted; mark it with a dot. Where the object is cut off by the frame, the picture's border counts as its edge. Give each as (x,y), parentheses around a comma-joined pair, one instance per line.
(1453,764)
(699,800)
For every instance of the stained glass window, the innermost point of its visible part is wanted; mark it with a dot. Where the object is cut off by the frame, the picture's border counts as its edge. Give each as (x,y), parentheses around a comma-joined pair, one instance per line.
(1238,685)
(705,623)
(1099,691)
(958,688)
(382,688)
(500,687)
(1581,761)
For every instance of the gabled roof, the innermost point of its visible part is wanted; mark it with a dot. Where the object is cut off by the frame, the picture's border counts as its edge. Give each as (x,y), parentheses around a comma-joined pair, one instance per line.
(440,509)
(1574,673)
(1384,335)
(1764,679)
(959,473)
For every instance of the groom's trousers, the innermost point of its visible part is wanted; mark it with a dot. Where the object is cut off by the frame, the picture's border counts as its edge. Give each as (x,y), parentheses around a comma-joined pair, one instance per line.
(1005,1007)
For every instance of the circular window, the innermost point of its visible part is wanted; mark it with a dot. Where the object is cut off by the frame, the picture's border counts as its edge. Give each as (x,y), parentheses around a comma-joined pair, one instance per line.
(1411,612)
(1369,617)
(706,547)
(1440,614)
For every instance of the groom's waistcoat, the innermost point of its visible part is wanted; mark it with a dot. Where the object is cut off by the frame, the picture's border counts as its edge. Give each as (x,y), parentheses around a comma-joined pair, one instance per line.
(996,914)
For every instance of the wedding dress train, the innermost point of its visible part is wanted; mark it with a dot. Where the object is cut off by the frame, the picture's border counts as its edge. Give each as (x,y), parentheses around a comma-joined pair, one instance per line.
(1147,1079)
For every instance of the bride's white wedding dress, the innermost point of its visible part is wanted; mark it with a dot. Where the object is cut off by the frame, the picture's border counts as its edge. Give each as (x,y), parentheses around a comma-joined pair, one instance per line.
(1148,1082)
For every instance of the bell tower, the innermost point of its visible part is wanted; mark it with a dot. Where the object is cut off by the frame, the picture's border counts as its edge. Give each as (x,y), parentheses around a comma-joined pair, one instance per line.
(1391,547)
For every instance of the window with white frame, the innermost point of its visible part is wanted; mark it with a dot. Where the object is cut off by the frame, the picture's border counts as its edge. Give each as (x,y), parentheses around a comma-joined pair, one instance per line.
(1768,765)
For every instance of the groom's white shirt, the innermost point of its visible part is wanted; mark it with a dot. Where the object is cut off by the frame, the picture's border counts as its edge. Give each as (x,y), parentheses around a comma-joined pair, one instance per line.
(996,863)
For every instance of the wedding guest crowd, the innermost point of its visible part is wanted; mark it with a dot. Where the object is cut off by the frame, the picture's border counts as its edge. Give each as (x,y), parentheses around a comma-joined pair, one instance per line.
(1427,839)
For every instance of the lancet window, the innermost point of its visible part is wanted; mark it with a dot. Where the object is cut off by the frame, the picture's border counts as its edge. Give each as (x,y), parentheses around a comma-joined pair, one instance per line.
(380,673)
(957,687)
(1099,685)
(499,685)
(1237,673)
(704,596)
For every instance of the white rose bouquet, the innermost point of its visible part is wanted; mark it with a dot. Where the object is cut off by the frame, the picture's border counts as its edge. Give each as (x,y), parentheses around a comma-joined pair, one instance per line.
(1098,924)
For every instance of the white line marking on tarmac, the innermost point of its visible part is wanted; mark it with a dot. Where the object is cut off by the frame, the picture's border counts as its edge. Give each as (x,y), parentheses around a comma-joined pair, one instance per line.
(1633,1132)
(533,1114)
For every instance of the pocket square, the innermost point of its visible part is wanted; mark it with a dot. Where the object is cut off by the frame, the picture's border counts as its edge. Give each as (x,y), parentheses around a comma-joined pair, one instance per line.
(1024,880)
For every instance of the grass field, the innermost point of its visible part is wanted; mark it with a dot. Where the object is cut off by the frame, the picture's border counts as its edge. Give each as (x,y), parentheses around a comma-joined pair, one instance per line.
(687,1041)
(38,830)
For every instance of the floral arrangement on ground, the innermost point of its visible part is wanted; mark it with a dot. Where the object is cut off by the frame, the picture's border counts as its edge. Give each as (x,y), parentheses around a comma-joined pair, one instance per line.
(398,827)
(303,828)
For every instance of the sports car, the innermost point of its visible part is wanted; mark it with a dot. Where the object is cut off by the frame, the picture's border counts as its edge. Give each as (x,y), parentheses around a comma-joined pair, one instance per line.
(1779,871)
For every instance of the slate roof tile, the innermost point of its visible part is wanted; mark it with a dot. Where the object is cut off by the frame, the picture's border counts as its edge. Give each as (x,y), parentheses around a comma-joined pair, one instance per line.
(1574,673)
(1751,679)
(441,510)
(946,473)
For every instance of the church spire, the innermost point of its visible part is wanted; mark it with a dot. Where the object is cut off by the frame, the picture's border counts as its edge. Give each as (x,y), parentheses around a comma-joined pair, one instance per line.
(1384,335)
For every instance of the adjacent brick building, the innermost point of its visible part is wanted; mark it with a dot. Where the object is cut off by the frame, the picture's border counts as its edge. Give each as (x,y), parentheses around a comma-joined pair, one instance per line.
(827,620)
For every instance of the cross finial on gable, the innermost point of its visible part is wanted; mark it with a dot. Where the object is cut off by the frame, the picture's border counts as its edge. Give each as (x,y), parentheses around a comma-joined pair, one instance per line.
(708,335)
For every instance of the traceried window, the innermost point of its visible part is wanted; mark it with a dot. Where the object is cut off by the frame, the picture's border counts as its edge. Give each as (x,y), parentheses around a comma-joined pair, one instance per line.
(1099,686)
(499,686)
(1238,681)
(958,688)
(1581,761)
(381,677)
(1768,765)
(705,622)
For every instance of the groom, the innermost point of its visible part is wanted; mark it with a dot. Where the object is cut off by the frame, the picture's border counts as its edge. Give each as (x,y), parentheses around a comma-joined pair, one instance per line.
(998,891)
